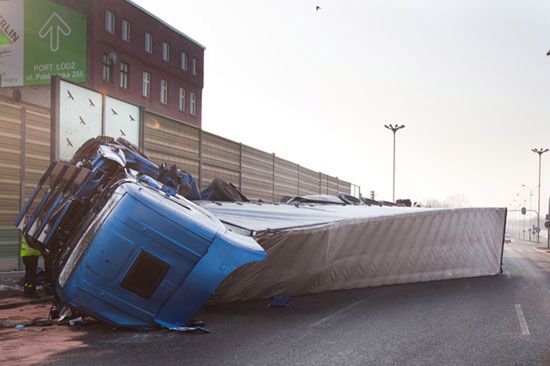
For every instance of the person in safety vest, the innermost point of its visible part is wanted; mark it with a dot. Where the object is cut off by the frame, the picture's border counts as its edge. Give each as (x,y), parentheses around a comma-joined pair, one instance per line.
(30,260)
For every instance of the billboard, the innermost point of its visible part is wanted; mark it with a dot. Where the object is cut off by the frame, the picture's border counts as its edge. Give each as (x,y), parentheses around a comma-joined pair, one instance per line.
(38,39)
(82,113)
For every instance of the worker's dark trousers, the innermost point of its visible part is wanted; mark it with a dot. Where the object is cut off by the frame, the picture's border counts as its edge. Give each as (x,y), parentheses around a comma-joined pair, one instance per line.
(31,265)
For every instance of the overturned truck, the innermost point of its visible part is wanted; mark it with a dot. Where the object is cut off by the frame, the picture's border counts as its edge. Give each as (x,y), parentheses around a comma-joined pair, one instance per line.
(136,244)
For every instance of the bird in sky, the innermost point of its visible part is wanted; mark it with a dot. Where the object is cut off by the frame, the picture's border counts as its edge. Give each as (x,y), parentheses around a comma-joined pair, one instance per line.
(317,8)
(132,118)
(70,95)
(122,133)
(69,142)
(82,121)
(114,112)
(91,103)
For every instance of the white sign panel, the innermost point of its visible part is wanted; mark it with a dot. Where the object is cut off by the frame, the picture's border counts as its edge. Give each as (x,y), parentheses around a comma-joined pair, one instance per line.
(122,120)
(84,114)
(80,118)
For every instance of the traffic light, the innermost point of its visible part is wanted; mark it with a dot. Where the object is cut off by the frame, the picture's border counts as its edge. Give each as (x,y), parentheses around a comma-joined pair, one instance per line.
(523,210)
(547,221)
(372,195)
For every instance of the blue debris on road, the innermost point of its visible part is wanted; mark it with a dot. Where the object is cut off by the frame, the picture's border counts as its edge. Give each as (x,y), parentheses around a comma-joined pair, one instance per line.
(280,301)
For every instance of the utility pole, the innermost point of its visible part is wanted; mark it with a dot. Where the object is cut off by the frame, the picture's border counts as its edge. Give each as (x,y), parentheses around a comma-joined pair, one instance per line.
(530,208)
(394,129)
(539,151)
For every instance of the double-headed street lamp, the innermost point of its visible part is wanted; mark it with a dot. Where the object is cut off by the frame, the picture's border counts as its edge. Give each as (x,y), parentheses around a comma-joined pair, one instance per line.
(539,151)
(394,129)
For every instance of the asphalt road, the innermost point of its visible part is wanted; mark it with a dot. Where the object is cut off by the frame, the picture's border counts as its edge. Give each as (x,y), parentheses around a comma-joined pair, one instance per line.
(499,320)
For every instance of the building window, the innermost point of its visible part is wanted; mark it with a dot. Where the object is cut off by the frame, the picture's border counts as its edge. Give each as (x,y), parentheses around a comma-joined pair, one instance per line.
(126,29)
(107,71)
(182,100)
(166,51)
(146,89)
(193,104)
(148,43)
(183,62)
(163,91)
(195,67)
(109,21)
(124,73)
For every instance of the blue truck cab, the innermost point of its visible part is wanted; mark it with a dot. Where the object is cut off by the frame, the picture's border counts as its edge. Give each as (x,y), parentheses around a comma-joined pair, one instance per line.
(131,251)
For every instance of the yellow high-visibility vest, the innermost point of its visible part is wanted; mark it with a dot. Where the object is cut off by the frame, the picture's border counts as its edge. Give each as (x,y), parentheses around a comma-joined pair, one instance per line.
(27,251)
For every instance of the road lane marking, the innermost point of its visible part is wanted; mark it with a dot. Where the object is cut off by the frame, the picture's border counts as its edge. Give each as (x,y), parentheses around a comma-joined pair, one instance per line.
(333,315)
(521,319)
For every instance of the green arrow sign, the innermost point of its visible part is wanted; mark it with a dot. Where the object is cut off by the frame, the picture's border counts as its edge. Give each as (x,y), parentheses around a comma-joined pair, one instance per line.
(53,28)
(55,43)
(38,39)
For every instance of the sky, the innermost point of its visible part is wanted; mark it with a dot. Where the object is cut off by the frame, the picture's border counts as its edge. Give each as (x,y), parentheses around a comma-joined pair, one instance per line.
(469,79)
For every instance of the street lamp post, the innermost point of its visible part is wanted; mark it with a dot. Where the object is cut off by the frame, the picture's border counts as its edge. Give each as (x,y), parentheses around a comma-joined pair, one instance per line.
(530,208)
(394,129)
(539,151)
(522,214)
(517,208)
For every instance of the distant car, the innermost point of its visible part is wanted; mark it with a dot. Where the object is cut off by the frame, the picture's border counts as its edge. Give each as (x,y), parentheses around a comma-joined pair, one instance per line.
(507,239)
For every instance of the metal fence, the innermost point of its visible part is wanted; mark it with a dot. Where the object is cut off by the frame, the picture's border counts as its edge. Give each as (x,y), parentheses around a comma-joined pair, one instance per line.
(258,174)
(25,155)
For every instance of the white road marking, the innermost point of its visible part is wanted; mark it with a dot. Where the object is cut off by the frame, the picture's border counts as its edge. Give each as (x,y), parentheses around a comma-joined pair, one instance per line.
(333,315)
(521,319)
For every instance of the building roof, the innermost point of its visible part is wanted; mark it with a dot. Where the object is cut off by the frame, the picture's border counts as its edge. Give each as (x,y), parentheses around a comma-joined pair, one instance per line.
(165,24)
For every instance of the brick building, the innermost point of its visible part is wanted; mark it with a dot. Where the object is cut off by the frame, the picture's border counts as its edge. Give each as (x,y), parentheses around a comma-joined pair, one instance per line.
(135,56)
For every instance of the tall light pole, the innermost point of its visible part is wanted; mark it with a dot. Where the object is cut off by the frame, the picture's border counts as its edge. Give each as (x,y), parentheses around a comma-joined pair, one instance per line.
(394,129)
(539,151)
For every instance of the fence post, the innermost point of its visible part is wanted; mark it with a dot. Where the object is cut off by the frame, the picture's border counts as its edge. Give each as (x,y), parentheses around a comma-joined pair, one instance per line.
(22,173)
(298,165)
(200,159)
(240,167)
(273,176)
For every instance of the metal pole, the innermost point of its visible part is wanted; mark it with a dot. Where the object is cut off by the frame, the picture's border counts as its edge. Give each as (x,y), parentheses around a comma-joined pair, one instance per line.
(200,159)
(240,167)
(539,151)
(22,174)
(393,192)
(524,204)
(273,178)
(530,207)
(394,129)
(548,230)
(298,169)
(538,206)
